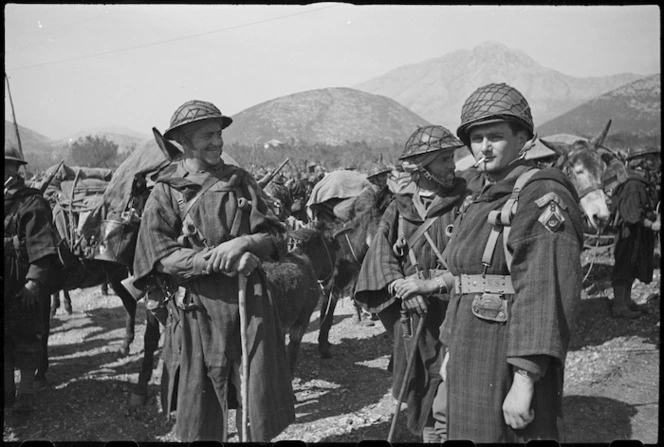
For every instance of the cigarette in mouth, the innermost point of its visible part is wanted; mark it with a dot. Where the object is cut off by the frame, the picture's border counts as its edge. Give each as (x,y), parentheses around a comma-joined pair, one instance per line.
(478,162)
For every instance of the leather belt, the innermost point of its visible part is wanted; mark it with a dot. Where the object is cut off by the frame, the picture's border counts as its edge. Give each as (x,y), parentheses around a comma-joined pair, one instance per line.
(500,284)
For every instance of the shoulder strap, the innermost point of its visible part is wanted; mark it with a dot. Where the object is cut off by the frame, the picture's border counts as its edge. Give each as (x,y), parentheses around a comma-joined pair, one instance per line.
(185,207)
(501,221)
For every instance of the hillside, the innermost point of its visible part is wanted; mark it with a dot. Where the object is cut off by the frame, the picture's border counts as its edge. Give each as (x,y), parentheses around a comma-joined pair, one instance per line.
(635,109)
(331,116)
(31,141)
(436,88)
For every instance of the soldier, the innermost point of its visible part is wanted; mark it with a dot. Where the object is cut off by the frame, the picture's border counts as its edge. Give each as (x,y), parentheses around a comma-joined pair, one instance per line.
(402,272)
(517,281)
(30,259)
(635,203)
(204,222)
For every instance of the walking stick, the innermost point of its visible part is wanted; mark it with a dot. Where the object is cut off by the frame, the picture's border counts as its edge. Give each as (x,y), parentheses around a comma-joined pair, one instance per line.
(409,367)
(242,299)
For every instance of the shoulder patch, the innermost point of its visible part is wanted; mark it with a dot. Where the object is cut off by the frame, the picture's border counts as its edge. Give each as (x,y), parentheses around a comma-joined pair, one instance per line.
(552,217)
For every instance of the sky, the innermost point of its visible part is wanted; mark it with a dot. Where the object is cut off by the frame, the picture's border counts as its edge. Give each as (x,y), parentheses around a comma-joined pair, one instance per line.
(74,67)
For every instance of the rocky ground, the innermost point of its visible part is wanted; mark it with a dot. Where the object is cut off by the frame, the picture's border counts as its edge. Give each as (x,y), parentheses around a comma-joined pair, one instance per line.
(611,382)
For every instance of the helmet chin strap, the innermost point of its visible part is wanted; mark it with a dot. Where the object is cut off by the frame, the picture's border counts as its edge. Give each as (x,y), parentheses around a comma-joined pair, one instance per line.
(429,176)
(524,150)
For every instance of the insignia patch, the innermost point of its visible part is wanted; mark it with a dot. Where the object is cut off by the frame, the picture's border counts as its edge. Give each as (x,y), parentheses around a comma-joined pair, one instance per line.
(549,197)
(552,218)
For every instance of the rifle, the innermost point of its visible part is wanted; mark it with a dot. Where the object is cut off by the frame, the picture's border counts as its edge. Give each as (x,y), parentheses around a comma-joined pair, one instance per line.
(11,102)
(267,178)
(50,178)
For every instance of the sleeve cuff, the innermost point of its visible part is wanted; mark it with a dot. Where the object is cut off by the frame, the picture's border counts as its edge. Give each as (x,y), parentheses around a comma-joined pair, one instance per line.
(534,364)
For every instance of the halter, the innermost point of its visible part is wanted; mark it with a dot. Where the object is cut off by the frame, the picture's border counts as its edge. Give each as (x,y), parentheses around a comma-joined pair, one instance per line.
(345,231)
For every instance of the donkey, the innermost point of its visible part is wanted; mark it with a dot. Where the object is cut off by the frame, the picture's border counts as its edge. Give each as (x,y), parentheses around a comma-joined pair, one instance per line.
(352,240)
(295,287)
(585,163)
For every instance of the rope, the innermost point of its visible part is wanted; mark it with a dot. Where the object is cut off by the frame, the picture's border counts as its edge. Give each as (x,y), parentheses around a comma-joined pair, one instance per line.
(592,262)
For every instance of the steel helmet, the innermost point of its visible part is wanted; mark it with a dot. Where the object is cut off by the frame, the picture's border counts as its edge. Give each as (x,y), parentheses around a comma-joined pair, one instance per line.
(378,170)
(13,153)
(642,152)
(194,111)
(429,139)
(493,103)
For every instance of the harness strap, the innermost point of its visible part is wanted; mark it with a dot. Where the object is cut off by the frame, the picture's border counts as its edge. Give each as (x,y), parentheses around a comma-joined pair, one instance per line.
(501,221)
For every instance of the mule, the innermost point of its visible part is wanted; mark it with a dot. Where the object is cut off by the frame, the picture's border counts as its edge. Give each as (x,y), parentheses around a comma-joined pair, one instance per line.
(589,165)
(295,285)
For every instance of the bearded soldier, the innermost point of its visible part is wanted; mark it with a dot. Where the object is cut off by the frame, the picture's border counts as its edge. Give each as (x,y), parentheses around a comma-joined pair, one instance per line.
(402,272)
(204,222)
(514,254)
(30,257)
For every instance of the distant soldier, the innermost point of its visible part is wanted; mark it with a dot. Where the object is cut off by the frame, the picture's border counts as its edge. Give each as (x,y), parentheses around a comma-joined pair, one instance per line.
(638,221)
(30,259)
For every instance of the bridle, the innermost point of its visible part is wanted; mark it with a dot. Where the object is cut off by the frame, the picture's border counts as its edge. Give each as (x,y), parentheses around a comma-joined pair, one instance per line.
(345,232)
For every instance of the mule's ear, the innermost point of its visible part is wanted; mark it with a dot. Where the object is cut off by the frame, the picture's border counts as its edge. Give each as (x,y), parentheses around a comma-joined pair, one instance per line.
(561,149)
(598,139)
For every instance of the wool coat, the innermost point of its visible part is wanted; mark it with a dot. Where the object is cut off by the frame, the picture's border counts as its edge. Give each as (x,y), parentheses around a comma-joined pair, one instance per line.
(202,343)
(382,266)
(635,245)
(29,254)
(546,275)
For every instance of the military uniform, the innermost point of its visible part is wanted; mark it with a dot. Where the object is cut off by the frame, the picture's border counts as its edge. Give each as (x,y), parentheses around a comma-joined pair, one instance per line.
(395,253)
(635,201)
(29,254)
(202,345)
(515,256)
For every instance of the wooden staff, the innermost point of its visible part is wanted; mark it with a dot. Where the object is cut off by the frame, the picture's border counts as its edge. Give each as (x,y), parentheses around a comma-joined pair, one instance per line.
(242,301)
(409,367)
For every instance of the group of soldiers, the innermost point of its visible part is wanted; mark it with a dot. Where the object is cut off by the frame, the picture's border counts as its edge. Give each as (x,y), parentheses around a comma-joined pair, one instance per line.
(478,294)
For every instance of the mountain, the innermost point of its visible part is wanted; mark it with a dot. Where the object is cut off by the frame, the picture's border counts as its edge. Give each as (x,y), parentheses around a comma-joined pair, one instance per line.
(332,116)
(437,88)
(31,141)
(635,109)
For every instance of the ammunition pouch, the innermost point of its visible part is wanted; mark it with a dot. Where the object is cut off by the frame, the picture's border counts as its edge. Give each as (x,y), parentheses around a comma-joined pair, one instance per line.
(490,307)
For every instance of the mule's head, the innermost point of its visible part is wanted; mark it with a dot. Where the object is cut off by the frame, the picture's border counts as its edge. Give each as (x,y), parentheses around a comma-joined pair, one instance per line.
(317,244)
(585,164)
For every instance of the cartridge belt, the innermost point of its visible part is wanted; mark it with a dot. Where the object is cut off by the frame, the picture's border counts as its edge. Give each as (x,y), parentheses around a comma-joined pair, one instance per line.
(498,284)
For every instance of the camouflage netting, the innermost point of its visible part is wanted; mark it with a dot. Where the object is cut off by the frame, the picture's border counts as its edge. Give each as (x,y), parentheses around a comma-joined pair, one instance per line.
(499,101)
(430,139)
(193,111)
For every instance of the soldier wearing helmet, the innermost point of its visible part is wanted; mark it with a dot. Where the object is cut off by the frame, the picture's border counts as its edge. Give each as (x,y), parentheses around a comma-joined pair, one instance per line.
(203,224)
(30,260)
(402,276)
(514,255)
(636,206)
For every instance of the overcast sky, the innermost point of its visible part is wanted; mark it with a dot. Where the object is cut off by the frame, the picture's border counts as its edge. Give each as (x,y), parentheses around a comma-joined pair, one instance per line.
(74,67)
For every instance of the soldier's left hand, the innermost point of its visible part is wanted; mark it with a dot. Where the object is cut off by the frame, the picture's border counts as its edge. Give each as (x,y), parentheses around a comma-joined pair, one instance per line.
(225,256)
(29,294)
(516,407)
(248,263)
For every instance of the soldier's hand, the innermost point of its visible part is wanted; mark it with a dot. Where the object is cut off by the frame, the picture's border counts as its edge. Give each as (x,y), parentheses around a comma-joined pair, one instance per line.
(516,407)
(30,294)
(656,225)
(248,263)
(416,303)
(412,285)
(225,256)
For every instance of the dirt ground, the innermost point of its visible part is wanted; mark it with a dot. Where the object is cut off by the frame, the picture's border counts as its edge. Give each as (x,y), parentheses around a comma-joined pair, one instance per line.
(611,377)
